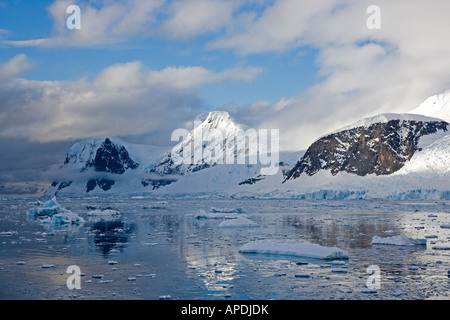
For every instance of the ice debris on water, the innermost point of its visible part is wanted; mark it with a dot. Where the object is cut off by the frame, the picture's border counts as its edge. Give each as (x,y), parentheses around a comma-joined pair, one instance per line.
(103,213)
(398,241)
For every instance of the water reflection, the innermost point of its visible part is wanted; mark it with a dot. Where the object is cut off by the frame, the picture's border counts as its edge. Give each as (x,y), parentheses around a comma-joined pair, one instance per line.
(111,234)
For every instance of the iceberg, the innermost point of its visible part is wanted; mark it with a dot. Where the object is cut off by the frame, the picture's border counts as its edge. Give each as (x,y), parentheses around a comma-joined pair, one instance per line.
(51,214)
(240,222)
(398,241)
(49,208)
(302,249)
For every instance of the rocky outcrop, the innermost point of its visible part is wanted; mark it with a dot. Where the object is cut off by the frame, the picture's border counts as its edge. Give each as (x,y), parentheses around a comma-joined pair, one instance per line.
(380,148)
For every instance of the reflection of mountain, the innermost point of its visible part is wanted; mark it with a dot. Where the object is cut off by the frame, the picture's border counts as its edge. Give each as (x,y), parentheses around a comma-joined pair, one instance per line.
(113,234)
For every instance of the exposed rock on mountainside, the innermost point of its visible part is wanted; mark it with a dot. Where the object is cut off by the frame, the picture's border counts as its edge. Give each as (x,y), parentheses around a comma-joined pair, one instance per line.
(381,148)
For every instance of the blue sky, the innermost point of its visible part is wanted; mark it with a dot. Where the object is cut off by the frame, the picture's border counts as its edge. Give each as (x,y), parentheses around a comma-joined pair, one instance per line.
(141,69)
(284,73)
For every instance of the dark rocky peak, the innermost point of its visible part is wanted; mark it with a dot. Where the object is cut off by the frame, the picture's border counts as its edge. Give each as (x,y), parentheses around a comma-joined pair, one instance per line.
(113,158)
(380,148)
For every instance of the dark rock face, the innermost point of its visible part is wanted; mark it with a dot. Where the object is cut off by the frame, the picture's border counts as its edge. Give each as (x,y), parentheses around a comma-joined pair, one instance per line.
(104,184)
(156,183)
(381,149)
(111,158)
(108,157)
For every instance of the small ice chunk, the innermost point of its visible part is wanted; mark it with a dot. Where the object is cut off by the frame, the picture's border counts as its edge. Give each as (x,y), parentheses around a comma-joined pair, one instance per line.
(369,291)
(399,293)
(337,262)
(441,248)
(98,276)
(47,266)
(105,281)
(165,297)
(302,275)
(20,263)
(339,270)
(240,222)
(398,241)
(202,214)
(111,262)
(6,233)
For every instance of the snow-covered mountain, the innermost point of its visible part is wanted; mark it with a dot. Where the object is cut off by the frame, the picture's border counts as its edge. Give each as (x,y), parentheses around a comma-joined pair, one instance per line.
(97,165)
(437,106)
(380,145)
(390,156)
(211,142)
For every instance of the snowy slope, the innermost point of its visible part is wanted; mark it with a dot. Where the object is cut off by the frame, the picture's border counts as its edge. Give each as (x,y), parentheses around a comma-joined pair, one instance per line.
(105,164)
(437,106)
(386,117)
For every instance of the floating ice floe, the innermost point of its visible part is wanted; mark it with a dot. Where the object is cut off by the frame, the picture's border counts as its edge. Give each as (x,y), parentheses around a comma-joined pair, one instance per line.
(7,233)
(202,214)
(239,222)
(441,248)
(302,249)
(399,241)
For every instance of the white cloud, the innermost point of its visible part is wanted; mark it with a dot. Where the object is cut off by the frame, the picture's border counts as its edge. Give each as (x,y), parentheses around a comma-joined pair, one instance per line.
(364,72)
(124,99)
(194,17)
(15,66)
(101,23)
(191,77)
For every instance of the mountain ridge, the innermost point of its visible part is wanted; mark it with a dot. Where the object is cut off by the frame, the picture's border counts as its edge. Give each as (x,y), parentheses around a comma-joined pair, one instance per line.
(362,160)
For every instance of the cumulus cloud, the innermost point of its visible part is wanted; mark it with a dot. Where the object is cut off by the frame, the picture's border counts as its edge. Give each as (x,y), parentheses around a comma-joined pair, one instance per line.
(101,23)
(363,72)
(126,99)
(15,67)
(189,18)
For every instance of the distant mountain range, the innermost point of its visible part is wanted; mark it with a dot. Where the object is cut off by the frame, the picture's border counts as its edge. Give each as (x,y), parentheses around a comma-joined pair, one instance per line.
(389,156)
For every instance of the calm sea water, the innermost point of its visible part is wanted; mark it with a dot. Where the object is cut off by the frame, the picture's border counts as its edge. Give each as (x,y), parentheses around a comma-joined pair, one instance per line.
(160,250)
